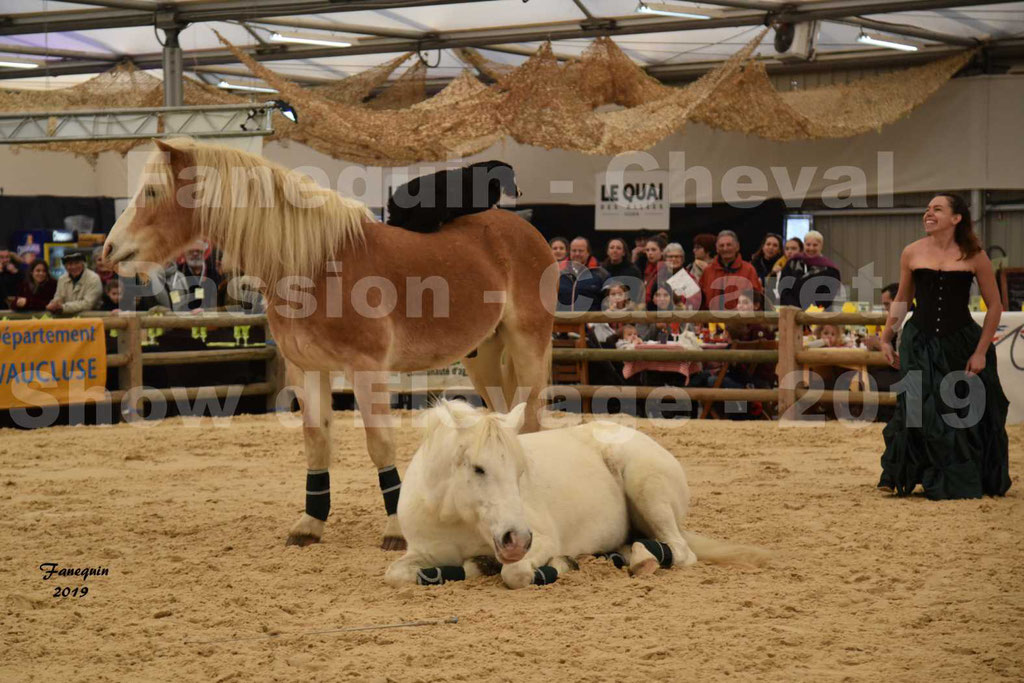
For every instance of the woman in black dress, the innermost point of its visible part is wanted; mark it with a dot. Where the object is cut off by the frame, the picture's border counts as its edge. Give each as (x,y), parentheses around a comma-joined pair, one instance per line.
(949,430)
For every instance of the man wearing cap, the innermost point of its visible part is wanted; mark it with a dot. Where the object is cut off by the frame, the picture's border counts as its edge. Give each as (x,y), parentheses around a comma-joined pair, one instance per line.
(78,289)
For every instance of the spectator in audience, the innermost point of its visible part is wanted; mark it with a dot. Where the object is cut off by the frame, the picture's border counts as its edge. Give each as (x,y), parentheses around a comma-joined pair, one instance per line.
(674,255)
(873,342)
(201,278)
(78,289)
(579,251)
(794,246)
(111,295)
(833,335)
(809,278)
(686,292)
(10,277)
(727,275)
(656,269)
(639,254)
(621,269)
(105,273)
(703,252)
(748,301)
(560,250)
(579,286)
(36,290)
(765,258)
(662,300)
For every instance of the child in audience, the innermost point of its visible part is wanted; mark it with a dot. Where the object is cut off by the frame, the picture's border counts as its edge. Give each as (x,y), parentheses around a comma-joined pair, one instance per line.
(833,335)
(111,295)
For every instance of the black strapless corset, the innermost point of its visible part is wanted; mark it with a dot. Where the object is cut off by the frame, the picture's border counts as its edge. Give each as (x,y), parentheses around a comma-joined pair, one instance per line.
(943,300)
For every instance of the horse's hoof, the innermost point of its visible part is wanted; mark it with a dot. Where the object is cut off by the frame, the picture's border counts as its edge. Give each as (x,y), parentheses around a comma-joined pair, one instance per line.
(642,562)
(393,543)
(301,540)
(644,567)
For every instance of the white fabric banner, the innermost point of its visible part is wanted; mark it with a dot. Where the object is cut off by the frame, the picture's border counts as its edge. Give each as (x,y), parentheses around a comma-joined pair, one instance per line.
(1009,343)
(631,200)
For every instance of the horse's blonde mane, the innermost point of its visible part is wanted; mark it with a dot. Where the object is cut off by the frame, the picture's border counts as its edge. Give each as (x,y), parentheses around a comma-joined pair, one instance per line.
(270,221)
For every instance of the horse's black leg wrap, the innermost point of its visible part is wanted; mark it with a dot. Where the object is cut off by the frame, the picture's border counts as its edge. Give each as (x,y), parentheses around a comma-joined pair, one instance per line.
(616,559)
(542,576)
(390,487)
(435,576)
(318,494)
(661,551)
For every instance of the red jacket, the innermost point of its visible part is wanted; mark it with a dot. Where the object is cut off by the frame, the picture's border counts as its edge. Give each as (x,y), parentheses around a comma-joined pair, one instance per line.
(35,301)
(721,285)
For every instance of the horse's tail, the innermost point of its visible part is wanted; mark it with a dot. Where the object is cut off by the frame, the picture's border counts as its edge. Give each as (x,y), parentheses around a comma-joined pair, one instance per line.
(722,552)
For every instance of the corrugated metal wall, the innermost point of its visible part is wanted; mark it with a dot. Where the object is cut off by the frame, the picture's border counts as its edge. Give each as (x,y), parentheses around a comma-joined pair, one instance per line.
(856,241)
(1006,229)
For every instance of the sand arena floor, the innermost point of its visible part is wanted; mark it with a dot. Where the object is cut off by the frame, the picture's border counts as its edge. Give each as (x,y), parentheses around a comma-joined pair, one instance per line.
(191,524)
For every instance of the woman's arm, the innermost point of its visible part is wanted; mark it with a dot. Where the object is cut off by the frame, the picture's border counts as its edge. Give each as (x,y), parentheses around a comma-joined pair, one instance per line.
(990,292)
(898,309)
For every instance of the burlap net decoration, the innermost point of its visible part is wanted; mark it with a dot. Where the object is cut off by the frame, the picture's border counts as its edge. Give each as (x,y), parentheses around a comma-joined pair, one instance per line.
(542,103)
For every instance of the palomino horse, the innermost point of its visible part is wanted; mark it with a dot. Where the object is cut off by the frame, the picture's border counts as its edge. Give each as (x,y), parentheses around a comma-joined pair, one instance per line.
(344,293)
(475,491)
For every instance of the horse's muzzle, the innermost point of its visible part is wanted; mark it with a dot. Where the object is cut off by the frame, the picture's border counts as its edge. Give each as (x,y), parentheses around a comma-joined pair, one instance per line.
(512,546)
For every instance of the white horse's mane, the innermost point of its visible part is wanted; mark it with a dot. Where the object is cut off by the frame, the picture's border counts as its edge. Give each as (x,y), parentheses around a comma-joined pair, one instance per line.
(273,221)
(486,428)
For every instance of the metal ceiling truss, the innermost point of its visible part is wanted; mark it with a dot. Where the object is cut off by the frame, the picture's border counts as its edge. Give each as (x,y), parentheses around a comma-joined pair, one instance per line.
(275,12)
(216,121)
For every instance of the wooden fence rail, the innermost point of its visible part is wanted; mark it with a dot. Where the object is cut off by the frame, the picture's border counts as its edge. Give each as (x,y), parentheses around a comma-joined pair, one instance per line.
(790,358)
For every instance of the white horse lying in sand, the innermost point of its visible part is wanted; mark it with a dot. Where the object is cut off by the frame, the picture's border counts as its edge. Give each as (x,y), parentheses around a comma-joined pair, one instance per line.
(477,491)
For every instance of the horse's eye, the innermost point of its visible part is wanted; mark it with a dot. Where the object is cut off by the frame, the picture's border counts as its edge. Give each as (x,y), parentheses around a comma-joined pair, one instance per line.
(479,470)
(150,193)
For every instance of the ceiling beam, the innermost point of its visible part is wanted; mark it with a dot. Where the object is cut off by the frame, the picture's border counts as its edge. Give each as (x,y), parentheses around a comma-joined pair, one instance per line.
(632,25)
(144,5)
(910,31)
(14,49)
(195,12)
(247,10)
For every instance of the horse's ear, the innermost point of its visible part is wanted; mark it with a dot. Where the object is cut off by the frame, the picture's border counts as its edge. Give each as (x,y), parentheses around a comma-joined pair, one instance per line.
(177,157)
(515,418)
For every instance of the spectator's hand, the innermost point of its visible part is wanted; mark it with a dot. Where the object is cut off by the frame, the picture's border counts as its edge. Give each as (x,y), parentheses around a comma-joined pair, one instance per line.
(891,357)
(975,364)
(873,343)
(20,302)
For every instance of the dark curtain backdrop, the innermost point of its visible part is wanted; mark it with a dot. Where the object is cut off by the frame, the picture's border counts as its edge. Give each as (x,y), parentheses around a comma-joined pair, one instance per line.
(48,213)
(750,224)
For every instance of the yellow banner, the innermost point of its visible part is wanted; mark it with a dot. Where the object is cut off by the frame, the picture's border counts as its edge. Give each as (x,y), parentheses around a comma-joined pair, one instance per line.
(48,362)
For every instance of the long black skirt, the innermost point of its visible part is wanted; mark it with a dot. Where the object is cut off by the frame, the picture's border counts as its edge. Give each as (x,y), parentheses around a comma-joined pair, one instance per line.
(949,437)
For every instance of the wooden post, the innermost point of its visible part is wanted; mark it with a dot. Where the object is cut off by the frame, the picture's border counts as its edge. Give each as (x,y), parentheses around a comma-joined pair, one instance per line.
(129,376)
(275,372)
(791,341)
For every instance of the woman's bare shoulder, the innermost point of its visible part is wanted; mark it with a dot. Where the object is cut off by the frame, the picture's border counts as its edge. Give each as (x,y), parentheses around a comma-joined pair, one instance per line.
(915,248)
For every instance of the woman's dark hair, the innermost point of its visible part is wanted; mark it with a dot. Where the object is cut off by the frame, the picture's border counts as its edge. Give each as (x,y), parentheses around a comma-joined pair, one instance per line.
(963,234)
(625,251)
(38,262)
(705,241)
(793,239)
(756,298)
(659,240)
(663,286)
(760,250)
(559,239)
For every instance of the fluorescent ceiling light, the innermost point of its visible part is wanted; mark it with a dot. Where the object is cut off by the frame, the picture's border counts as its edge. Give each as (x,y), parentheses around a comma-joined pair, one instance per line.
(238,86)
(11,63)
(879,40)
(302,39)
(673,10)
